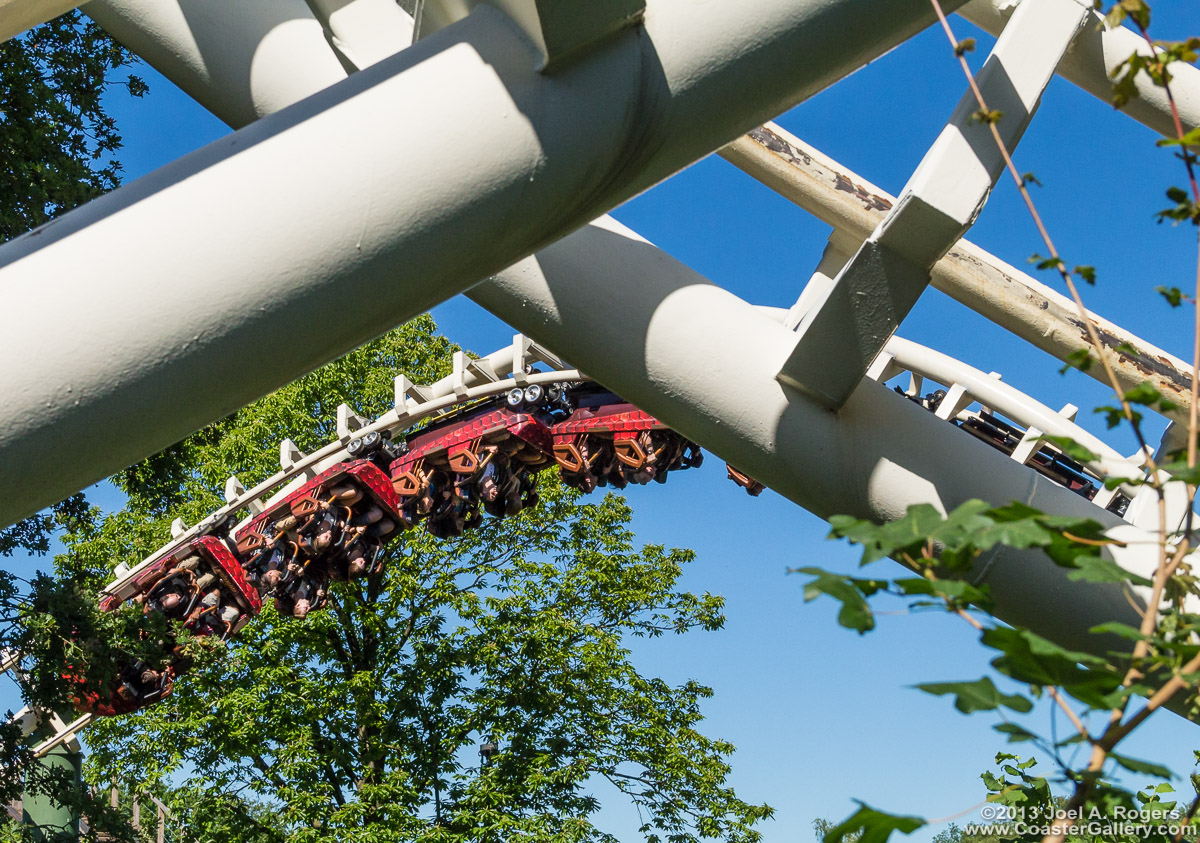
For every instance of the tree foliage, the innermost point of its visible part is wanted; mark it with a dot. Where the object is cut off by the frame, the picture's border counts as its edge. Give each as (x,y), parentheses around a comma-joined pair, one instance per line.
(56,138)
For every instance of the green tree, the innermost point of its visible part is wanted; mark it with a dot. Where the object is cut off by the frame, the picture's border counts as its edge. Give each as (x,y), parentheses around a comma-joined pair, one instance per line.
(57,140)
(365,720)
(822,827)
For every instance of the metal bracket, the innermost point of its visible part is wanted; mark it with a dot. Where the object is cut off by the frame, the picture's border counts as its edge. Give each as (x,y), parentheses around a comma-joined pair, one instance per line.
(348,422)
(29,720)
(289,454)
(234,490)
(873,293)
(409,396)
(526,352)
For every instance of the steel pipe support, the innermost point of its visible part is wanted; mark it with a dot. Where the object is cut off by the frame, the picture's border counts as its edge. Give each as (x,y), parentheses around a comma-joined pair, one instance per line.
(241,61)
(704,361)
(277,248)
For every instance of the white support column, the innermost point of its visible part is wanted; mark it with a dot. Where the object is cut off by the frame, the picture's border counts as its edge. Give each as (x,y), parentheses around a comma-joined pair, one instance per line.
(240,60)
(278,248)
(881,283)
(704,361)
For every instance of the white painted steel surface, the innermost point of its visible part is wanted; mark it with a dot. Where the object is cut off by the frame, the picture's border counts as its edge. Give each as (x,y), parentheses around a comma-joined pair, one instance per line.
(561,29)
(364,32)
(240,60)
(704,361)
(449,161)
(183,49)
(16,16)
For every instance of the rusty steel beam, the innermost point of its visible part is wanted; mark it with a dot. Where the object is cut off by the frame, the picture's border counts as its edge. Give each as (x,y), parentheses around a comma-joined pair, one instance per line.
(968,274)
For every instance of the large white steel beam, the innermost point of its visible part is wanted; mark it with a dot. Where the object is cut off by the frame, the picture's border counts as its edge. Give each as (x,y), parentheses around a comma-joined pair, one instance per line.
(16,16)
(303,235)
(561,29)
(166,42)
(1097,51)
(704,361)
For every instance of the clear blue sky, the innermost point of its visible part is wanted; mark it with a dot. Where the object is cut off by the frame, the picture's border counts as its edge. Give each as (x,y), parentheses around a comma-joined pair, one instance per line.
(819,714)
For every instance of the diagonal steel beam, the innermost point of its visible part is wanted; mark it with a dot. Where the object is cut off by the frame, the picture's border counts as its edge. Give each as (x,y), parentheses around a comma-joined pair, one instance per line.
(238,60)
(848,325)
(976,278)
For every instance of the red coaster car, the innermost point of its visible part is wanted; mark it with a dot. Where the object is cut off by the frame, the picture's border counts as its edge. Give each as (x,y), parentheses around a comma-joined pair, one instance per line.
(200,585)
(333,527)
(483,457)
(606,440)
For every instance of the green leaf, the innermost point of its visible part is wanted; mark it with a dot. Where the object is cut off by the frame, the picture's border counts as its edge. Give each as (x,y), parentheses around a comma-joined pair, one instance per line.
(1030,658)
(1173,295)
(1015,733)
(1118,628)
(1046,263)
(980,695)
(868,825)
(1091,568)
(912,530)
(1087,273)
(1191,138)
(1184,209)
(855,612)
(1136,765)
(957,592)
(1145,393)
(1080,359)
(1113,416)
(1179,470)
